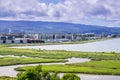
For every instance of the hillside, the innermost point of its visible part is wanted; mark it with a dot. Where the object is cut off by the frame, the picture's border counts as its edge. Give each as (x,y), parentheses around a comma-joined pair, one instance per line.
(54,27)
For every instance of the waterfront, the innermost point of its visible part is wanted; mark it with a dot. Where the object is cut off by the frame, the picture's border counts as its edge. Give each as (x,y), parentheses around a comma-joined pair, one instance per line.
(9,70)
(100,46)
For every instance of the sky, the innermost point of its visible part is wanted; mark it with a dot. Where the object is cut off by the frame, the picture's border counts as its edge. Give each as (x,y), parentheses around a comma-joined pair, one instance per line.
(89,12)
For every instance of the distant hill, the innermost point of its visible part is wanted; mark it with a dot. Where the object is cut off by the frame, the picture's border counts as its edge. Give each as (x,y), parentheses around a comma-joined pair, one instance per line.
(54,27)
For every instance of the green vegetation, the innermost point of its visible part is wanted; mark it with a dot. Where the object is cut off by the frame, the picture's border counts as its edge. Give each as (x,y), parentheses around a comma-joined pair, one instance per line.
(13,61)
(36,73)
(54,76)
(70,77)
(57,54)
(94,67)
(7,78)
(102,63)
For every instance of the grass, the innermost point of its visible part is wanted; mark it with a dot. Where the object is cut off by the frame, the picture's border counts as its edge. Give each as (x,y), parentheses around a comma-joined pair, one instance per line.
(7,78)
(57,54)
(5,61)
(94,67)
(100,63)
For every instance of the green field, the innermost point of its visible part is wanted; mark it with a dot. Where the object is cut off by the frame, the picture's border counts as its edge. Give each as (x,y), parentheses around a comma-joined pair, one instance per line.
(102,63)
(52,54)
(5,61)
(94,67)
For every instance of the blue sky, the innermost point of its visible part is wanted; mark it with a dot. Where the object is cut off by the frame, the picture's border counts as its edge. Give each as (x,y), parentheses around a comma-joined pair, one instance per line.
(89,12)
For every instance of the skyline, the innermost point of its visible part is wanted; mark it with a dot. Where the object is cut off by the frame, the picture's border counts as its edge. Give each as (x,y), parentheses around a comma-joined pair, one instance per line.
(89,12)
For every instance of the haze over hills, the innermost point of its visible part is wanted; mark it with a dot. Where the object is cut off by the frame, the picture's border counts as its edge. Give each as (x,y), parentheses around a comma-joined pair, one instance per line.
(54,27)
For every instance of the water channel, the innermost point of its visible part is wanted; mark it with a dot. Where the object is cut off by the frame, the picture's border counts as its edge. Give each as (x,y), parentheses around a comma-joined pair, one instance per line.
(9,70)
(100,46)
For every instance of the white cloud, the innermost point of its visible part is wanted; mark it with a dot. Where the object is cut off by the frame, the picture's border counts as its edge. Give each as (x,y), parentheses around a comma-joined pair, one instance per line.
(92,1)
(94,12)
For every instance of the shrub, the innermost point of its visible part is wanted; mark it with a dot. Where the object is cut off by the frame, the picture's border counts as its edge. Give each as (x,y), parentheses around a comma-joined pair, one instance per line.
(70,77)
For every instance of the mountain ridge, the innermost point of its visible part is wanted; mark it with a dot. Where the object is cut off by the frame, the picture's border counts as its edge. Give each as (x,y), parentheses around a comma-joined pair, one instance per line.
(54,27)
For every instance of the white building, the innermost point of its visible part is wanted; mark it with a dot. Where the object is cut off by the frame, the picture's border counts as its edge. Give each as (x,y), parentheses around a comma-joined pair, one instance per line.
(20,40)
(8,41)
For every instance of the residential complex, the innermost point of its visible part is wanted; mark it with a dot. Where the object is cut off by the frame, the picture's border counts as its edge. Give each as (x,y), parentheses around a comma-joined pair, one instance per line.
(17,38)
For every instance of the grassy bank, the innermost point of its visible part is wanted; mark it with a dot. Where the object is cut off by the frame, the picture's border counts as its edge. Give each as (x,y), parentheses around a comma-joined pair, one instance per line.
(94,67)
(58,54)
(100,63)
(6,78)
(5,61)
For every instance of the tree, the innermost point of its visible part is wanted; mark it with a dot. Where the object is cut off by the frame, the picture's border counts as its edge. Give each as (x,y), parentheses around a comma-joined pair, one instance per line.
(45,75)
(30,74)
(54,76)
(70,77)
(36,73)
(20,76)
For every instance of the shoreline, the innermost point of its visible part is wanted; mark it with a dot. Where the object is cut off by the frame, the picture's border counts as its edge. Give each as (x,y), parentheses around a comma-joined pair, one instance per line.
(61,54)
(93,46)
(59,43)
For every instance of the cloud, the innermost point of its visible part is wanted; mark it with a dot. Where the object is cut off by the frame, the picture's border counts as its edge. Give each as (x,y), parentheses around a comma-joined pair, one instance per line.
(6,13)
(93,12)
(101,10)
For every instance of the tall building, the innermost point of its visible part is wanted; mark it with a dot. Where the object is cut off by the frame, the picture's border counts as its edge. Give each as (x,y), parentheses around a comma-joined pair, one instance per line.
(10,31)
